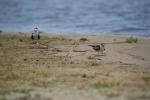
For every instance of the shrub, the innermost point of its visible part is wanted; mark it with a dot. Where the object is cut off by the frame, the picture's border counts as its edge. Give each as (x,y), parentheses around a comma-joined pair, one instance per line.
(131,40)
(23,90)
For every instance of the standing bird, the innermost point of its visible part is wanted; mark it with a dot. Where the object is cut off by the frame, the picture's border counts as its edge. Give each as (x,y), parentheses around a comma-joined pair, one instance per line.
(98,48)
(36,34)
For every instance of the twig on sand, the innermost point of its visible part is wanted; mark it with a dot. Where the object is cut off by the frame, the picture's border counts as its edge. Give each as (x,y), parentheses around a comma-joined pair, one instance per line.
(80,50)
(94,57)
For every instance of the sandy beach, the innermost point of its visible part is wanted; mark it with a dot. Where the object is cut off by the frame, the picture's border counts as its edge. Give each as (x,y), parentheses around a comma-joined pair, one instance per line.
(65,67)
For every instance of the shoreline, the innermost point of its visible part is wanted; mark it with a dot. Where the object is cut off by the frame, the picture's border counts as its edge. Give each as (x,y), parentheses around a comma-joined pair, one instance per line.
(84,34)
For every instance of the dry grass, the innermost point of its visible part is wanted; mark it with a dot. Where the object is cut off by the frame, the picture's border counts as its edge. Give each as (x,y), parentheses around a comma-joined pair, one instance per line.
(25,65)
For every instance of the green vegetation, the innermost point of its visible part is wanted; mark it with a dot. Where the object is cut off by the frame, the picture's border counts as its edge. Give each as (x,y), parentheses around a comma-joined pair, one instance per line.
(3,92)
(23,90)
(5,37)
(102,85)
(10,76)
(131,40)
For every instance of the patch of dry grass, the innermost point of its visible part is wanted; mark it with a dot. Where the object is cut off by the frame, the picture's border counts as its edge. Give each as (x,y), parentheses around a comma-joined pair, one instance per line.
(6,37)
(102,85)
(41,67)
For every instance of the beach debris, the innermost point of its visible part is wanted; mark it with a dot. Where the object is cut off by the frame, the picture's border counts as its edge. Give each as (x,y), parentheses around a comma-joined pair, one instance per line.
(94,57)
(56,50)
(80,50)
(83,39)
(98,48)
(34,41)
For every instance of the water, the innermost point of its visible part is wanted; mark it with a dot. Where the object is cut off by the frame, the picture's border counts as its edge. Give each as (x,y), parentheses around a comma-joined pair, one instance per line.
(76,16)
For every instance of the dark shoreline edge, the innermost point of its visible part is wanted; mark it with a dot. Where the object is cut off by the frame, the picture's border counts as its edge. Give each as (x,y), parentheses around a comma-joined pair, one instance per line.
(144,36)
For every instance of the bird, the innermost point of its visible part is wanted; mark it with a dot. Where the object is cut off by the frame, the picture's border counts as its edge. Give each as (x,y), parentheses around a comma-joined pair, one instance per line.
(98,48)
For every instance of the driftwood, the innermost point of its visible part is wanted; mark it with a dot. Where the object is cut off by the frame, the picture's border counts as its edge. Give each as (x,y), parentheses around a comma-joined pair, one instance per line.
(83,40)
(80,50)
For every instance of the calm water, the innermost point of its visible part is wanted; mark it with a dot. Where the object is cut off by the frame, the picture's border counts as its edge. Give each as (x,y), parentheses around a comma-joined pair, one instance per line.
(77,16)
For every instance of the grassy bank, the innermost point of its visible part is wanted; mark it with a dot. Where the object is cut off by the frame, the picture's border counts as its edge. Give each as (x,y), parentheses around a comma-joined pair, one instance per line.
(25,66)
